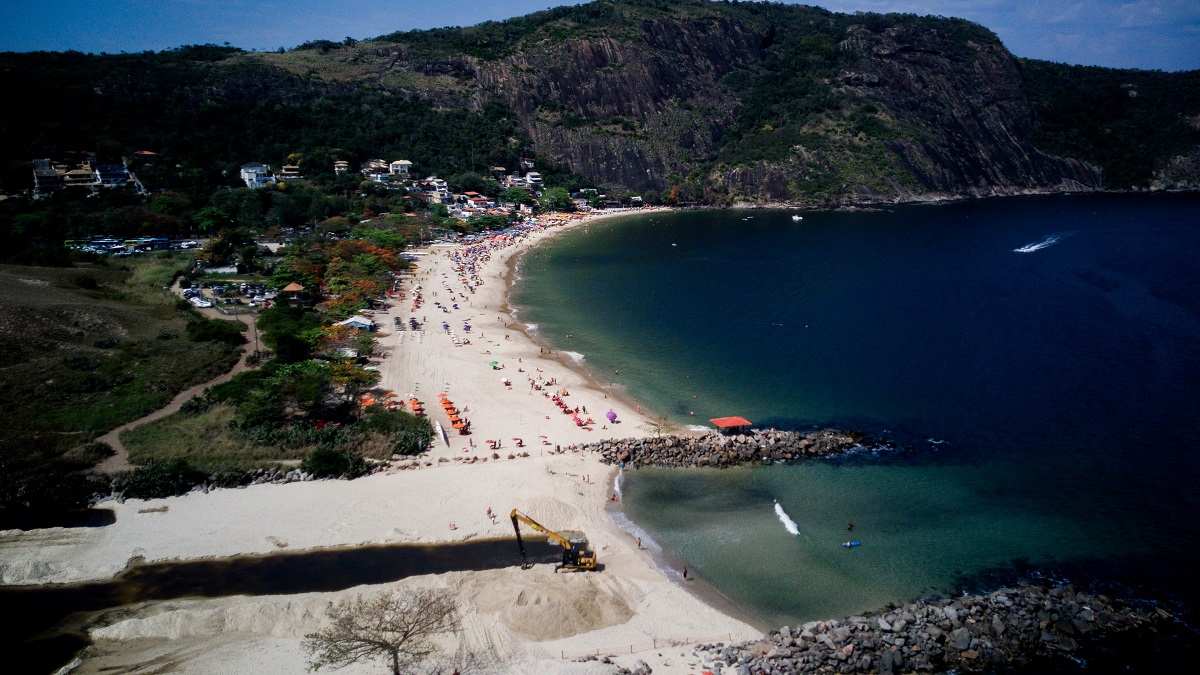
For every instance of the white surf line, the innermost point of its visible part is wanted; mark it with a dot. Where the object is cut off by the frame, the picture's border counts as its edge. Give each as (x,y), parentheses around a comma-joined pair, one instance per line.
(1030,248)
(788,523)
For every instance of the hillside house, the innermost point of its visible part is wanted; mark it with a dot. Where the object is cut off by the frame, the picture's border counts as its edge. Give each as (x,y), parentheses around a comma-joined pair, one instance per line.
(400,168)
(289,172)
(111,175)
(50,175)
(435,189)
(478,201)
(341,167)
(256,175)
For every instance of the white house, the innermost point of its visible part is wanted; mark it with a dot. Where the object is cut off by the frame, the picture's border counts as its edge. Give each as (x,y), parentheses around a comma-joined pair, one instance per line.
(256,175)
(341,167)
(437,186)
(400,167)
(533,178)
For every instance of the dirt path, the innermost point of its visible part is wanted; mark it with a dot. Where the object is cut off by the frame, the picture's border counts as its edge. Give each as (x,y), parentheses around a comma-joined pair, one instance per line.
(120,461)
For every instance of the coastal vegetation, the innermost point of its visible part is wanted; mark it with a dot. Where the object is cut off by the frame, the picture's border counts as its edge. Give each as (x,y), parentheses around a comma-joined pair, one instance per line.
(88,348)
(304,403)
(101,341)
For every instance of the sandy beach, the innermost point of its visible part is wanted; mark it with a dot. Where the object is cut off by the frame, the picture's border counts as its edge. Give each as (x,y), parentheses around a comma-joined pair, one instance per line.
(514,621)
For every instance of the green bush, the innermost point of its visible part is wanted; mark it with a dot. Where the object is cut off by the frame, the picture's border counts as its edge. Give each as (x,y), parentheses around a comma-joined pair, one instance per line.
(334,462)
(160,479)
(200,329)
(407,434)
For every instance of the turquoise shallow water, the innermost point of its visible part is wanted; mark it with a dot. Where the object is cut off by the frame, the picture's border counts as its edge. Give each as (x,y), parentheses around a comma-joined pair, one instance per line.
(1036,360)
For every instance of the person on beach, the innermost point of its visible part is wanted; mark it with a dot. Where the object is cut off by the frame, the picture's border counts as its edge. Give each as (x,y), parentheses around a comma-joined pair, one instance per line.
(685,574)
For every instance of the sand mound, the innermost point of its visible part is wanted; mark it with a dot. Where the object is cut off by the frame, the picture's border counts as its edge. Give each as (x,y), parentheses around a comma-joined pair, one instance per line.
(543,605)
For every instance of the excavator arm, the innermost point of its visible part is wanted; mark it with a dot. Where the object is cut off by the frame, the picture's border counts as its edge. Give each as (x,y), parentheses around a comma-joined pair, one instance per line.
(575,554)
(522,518)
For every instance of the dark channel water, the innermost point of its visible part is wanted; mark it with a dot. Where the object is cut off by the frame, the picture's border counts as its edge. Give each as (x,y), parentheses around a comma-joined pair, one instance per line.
(45,625)
(1036,361)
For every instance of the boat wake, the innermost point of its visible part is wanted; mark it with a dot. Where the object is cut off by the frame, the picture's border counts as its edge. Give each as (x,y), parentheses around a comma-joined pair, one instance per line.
(1030,248)
(788,523)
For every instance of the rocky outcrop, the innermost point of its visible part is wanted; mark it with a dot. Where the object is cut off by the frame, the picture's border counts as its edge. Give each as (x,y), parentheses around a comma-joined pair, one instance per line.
(970,104)
(661,80)
(716,450)
(1007,627)
(954,121)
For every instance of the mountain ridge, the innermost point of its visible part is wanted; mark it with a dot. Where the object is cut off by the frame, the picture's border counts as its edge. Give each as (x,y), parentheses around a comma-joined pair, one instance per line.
(694,101)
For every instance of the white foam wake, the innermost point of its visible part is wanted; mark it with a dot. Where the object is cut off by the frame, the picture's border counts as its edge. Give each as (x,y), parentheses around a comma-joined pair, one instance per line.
(531,327)
(1030,248)
(788,523)
(576,356)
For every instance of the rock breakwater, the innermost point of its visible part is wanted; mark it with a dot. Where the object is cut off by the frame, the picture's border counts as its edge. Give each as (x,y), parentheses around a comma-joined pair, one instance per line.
(1007,627)
(716,450)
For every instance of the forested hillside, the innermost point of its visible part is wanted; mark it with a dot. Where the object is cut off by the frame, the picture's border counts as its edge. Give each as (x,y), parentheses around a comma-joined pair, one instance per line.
(689,100)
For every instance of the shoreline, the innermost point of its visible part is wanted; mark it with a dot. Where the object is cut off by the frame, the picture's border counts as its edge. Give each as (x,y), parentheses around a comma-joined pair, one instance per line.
(597,382)
(629,607)
(415,504)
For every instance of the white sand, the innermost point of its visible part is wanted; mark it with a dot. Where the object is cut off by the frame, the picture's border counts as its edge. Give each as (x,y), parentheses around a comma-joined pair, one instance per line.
(515,621)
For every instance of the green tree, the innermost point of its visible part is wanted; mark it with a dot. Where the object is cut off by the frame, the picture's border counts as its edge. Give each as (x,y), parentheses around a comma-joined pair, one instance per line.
(290,332)
(385,236)
(211,218)
(489,222)
(515,196)
(556,199)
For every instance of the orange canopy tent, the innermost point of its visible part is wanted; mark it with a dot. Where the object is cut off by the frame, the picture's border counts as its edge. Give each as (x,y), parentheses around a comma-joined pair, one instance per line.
(730,424)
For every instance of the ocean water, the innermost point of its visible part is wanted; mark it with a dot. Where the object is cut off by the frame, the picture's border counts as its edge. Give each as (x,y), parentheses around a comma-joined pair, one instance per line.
(1034,361)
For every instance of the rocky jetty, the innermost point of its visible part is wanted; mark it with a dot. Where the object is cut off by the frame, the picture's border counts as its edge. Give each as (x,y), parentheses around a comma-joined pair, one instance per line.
(1009,626)
(716,450)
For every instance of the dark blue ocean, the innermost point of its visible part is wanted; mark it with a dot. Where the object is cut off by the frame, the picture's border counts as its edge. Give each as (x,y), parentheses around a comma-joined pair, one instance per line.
(1035,362)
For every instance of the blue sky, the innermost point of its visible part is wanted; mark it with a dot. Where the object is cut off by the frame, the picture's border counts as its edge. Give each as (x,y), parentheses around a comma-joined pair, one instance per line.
(1163,34)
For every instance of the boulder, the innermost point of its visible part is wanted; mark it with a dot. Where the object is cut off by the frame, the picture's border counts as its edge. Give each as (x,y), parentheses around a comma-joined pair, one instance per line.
(960,639)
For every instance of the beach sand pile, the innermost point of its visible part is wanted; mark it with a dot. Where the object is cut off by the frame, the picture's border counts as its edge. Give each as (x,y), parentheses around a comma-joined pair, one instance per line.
(514,620)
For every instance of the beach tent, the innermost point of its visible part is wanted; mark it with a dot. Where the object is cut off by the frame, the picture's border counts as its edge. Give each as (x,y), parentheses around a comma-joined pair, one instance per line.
(731,425)
(358,323)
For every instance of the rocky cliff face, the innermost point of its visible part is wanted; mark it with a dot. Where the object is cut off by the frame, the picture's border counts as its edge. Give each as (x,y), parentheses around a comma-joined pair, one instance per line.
(969,118)
(647,109)
(628,111)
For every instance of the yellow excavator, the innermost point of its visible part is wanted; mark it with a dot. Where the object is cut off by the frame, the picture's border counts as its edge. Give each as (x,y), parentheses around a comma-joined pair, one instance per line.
(576,555)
